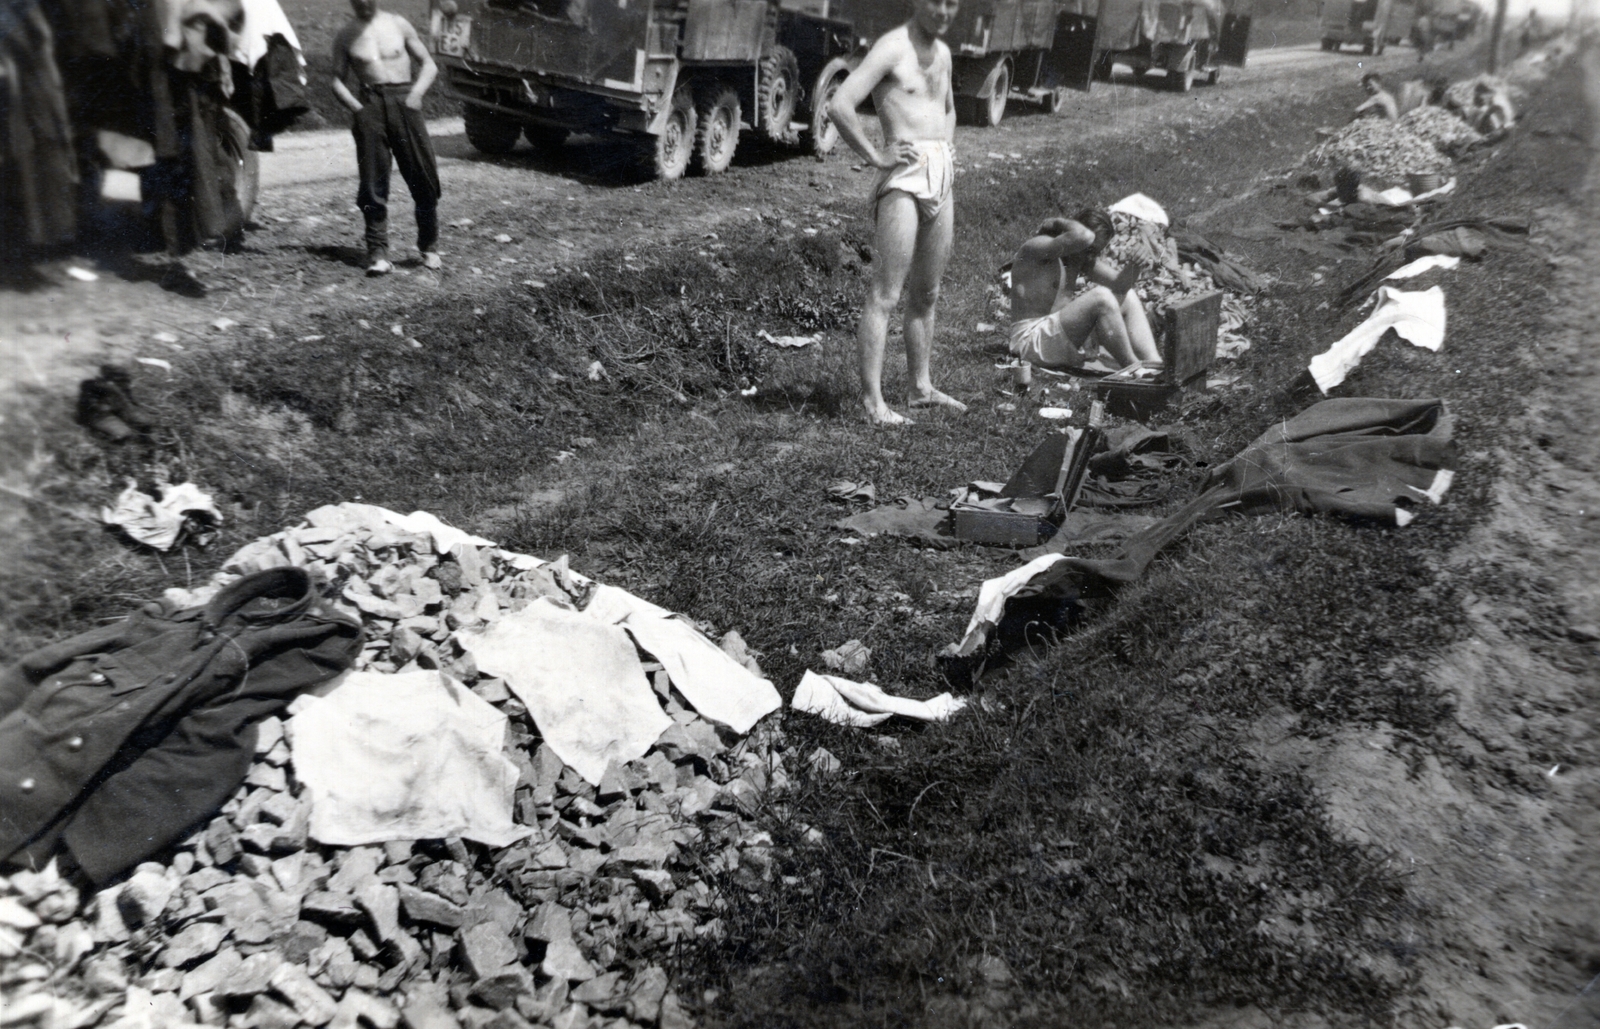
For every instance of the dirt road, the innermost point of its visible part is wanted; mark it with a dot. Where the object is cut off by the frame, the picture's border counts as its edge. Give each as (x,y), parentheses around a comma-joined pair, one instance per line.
(305,252)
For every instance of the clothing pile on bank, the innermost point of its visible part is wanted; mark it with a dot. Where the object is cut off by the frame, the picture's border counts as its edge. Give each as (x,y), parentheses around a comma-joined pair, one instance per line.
(379,769)
(126,102)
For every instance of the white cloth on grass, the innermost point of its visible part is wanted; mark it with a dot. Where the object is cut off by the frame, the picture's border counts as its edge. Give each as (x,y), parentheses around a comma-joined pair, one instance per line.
(581,680)
(1417,318)
(863,704)
(713,683)
(407,756)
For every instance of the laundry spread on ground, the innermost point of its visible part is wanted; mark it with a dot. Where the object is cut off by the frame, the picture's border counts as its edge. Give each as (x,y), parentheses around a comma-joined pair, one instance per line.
(718,687)
(1360,457)
(1417,318)
(478,835)
(863,705)
(404,756)
(113,743)
(581,680)
(1425,264)
(181,511)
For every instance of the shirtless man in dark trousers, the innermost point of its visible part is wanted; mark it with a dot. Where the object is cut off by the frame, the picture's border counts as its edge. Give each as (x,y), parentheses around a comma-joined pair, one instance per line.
(379,47)
(907,72)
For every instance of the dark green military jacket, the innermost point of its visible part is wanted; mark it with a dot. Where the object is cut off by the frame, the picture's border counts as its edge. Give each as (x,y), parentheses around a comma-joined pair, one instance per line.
(118,741)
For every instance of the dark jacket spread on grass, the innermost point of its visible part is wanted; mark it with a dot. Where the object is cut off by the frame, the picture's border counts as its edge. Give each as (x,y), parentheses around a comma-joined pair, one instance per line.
(117,741)
(1359,456)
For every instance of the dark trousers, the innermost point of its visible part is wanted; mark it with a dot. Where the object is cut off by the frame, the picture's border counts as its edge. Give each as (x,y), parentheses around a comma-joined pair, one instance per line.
(387,131)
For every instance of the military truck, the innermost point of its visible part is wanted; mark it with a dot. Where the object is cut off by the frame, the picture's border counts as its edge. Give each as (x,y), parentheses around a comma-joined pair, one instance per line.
(683,78)
(1187,40)
(1356,21)
(678,77)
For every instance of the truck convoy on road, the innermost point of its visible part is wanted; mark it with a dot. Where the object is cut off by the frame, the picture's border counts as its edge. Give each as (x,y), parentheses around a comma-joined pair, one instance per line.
(682,79)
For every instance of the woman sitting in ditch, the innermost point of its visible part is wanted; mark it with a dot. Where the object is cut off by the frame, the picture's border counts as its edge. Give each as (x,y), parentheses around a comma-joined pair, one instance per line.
(1103,328)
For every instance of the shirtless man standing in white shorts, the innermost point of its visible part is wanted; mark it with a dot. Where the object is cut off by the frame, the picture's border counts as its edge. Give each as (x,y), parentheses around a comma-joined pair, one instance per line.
(1053,327)
(907,73)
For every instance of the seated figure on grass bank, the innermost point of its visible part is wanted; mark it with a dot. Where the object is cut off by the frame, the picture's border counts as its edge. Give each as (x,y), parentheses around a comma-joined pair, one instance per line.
(1104,327)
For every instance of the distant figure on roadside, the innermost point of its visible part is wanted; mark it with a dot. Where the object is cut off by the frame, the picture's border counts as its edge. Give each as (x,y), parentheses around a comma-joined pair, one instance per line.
(1055,326)
(1380,102)
(379,47)
(907,73)
(1491,112)
(1532,30)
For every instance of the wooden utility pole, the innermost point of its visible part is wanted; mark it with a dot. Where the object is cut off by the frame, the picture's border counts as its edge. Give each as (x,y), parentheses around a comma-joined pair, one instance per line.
(1495,32)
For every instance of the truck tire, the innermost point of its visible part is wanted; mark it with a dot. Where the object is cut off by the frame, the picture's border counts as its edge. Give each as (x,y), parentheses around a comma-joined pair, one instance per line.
(1101,71)
(994,109)
(246,163)
(1181,78)
(986,111)
(666,156)
(824,133)
(778,93)
(718,135)
(1330,44)
(488,131)
(546,139)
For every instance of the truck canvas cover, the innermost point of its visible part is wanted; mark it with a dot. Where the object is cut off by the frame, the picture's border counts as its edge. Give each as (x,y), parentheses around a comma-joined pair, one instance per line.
(1125,24)
(597,42)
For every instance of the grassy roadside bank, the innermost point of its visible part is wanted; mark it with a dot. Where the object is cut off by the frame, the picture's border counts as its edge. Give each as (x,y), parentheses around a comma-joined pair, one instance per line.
(1100,828)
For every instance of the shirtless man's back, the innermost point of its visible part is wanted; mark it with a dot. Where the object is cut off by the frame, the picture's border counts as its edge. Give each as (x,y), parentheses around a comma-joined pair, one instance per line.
(379,48)
(907,73)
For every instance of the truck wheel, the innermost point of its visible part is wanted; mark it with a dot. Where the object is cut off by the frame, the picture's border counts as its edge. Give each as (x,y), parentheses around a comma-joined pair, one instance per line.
(667,156)
(246,162)
(824,133)
(718,137)
(1055,100)
(545,138)
(1102,68)
(778,93)
(488,131)
(1366,47)
(1181,78)
(1330,44)
(995,109)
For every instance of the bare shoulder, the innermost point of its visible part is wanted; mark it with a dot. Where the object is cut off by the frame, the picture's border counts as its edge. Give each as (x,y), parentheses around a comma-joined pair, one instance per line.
(397,21)
(891,45)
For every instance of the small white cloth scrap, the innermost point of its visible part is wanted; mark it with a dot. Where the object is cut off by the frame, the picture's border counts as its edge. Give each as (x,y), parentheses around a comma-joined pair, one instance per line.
(159,523)
(580,678)
(863,704)
(1032,577)
(1424,264)
(1417,318)
(714,684)
(404,756)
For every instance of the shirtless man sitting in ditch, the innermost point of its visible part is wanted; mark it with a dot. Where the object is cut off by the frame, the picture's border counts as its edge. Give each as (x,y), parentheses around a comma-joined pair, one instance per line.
(907,72)
(1052,327)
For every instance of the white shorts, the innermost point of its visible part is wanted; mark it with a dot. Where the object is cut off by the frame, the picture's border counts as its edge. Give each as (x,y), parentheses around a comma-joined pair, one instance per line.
(927,180)
(1043,341)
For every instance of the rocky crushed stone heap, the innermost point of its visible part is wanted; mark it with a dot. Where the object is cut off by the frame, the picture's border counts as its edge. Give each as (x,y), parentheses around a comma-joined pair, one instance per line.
(1444,129)
(254,925)
(1384,152)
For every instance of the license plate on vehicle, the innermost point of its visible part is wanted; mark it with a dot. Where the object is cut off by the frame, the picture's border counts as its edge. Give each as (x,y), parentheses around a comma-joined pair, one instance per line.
(456,35)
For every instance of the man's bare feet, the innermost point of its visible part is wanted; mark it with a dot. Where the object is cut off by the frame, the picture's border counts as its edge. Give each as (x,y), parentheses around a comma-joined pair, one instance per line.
(881,414)
(933,398)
